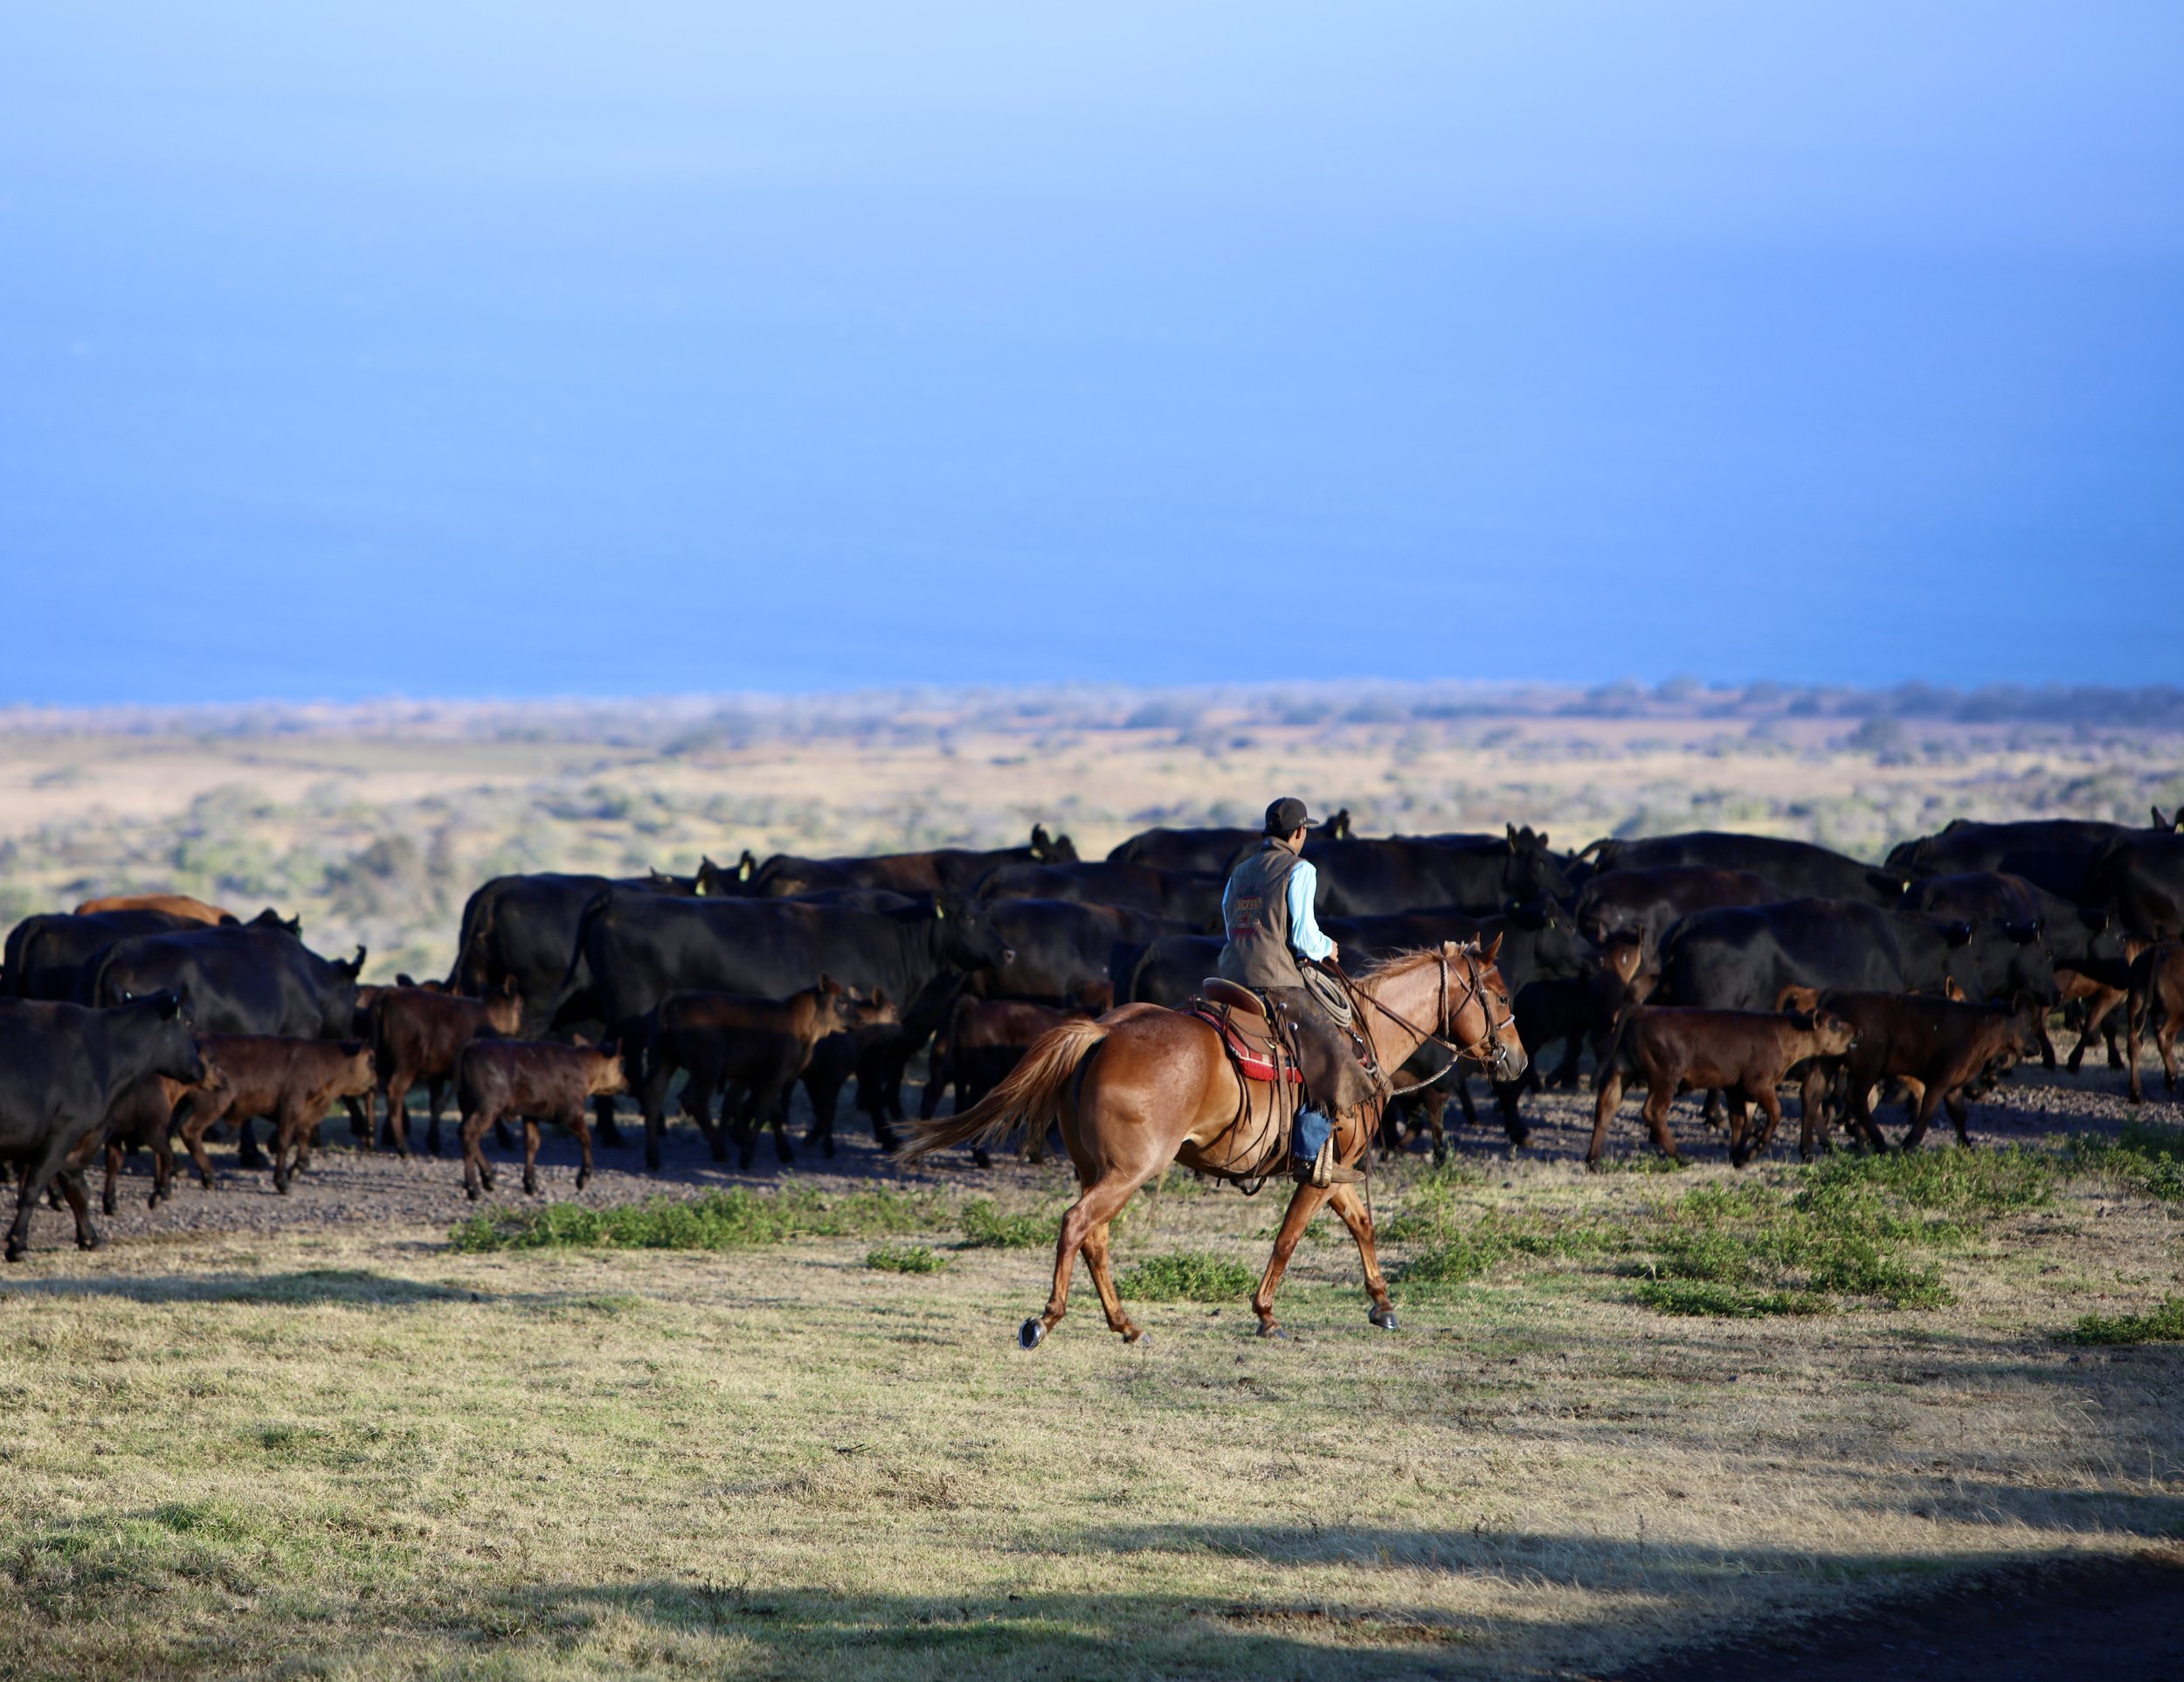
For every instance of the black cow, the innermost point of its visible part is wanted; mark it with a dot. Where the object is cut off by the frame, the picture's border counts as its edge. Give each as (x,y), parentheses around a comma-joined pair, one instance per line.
(1208,852)
(1063,953)
(253,978)
(2061,854)
(1741,957)
(1375,878)
(633,949)
(62,1070)
(47,955)
(1648,903)
(2142,875)
(1798,869)
(525,926)
(1177,896)
(942,870)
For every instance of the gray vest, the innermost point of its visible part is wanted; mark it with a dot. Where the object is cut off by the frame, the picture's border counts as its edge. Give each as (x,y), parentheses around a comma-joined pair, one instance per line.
(1258,953)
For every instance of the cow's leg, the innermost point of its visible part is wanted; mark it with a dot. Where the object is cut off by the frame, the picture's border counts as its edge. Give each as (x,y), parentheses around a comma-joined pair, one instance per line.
(435,1095)
(575,1122)
(1713,1114)
(247,1154)
(113,1173)
(204,1115)
(1960,1114)
(288,1124)
(2165,1042)
(307,1135)
(610,1134)
(399,1084)
(1603,1103)
(1659,1097)
(2134,1020)
(1772,1105)
(1505,1095)
(1460,1088)
(1350,1207)
(70,1179)
(1095,1206)
(1304,1203)
(476,1172)
(1095,1260)
(34,1176)
(1922,1117)
(530,1156)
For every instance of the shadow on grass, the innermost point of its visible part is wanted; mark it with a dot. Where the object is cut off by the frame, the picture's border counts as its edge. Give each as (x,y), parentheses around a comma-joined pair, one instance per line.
(812,1633)
(359,1287)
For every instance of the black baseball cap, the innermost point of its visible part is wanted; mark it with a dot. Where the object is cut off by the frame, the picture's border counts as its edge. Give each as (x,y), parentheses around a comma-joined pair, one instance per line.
(1287,816)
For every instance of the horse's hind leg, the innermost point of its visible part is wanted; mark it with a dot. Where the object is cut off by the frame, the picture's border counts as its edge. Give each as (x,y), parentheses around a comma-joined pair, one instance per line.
(1095,1207)
(1303,1205)
(1103,1282)
(1355,1215)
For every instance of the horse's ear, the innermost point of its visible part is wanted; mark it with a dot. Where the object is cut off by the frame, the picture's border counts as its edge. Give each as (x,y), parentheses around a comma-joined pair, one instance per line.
(1492,949)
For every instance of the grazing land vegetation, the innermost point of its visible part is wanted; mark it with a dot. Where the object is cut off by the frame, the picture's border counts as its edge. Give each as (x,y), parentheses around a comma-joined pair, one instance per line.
(708,1422)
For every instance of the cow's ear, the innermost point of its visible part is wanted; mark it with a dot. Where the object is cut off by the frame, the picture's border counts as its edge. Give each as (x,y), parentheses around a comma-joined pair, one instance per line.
(1954,989)
(508,986)
(940,906)
(879,995)
(580,1039)
(828,984)
(744,866)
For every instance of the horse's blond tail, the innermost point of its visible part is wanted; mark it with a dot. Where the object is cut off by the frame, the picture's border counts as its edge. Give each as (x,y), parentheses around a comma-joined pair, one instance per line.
(1030,1096)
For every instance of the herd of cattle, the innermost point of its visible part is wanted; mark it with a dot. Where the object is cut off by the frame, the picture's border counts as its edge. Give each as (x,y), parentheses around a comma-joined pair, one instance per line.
(1708,961)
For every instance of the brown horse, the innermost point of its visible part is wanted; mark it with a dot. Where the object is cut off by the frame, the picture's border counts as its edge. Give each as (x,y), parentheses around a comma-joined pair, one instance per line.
(1144,1086)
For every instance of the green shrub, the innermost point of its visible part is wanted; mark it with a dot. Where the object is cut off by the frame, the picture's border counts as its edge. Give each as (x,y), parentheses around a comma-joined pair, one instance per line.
(906,1258)
(2162,1324)
(1189,1276)
(1721,1300)
(735,1219)
(2149,1155)
(985,1227)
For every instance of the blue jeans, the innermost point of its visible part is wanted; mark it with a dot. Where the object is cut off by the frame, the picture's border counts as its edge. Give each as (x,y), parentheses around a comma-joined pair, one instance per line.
(1309,1133)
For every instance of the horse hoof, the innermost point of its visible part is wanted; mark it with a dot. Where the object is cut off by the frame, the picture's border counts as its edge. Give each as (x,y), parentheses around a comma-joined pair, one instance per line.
(1028,1335)
(1270,1329)
(1383,1318)
(1139,1339)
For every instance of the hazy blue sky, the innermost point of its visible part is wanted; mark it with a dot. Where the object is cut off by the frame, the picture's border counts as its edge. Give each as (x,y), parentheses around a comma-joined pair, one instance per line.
(350,349)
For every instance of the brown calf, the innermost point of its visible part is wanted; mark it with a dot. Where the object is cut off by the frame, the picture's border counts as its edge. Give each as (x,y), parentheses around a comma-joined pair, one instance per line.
(2157,983)
(1936,1046)
(751,1051)
(293,1082)
(1745,1054)
(418,1033)
(984,1039)
(194,910)
(538,1082)
(144,1116)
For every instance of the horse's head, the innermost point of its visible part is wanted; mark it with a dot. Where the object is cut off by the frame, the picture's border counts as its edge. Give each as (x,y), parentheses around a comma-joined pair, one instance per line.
(1477,1012)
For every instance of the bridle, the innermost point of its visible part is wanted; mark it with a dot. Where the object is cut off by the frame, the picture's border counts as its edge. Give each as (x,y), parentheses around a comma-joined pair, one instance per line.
(1488,1050)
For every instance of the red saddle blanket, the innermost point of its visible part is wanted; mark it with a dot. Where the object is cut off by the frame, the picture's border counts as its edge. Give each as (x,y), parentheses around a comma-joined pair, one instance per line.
(1251,1058)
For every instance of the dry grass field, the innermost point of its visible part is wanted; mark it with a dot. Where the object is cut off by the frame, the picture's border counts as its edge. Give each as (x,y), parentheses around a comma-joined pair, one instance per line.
(784,1431)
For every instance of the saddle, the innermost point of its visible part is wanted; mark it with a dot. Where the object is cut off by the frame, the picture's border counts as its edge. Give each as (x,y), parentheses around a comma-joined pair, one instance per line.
(1239,1016)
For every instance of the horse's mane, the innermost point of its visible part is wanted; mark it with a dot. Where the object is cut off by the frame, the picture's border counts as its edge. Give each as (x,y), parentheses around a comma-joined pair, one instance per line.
(1407,958)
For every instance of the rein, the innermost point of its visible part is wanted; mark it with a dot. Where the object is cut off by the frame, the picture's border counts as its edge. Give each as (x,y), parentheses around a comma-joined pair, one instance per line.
(1485,1050)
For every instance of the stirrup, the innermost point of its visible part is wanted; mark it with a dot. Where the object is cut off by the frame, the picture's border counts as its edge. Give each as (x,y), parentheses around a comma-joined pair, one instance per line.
(1323,1171)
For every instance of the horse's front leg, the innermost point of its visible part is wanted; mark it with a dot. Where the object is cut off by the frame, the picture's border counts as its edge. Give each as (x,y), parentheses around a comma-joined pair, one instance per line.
(1345,1203)
(1304,1203)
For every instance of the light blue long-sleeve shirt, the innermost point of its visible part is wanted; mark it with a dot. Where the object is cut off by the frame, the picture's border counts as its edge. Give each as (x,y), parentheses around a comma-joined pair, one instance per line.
(1304,935)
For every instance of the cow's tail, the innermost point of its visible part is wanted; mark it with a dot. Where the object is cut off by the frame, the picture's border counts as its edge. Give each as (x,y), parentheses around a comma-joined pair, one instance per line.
(1031,1095)
(578,976)
(470,956)
(1611,1054)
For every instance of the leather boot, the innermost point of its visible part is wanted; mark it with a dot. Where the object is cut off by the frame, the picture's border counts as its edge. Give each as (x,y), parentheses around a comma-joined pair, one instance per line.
(1323,1171)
